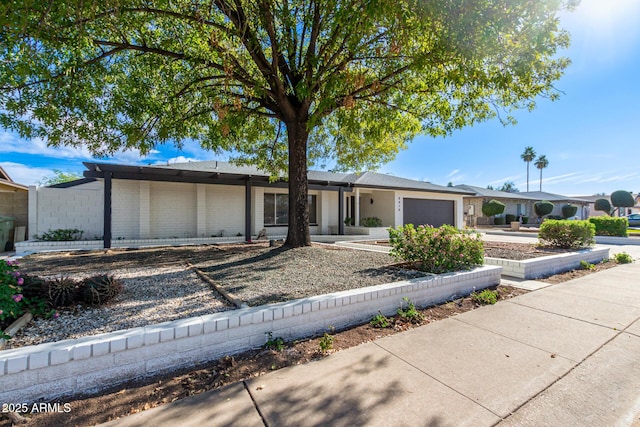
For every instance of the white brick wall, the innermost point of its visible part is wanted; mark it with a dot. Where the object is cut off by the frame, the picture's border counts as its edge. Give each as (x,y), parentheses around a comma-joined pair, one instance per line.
(78,207)
(125,209)
(224,210)
(53,370)
(173,210)
(543,266)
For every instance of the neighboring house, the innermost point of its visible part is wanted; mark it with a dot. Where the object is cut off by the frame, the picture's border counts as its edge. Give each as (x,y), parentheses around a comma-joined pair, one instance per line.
(13,203)
(592,201)
(559,201)
(207,199)
(516,204)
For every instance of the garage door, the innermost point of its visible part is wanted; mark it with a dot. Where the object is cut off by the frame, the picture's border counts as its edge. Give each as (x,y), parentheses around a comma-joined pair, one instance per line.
(431,212)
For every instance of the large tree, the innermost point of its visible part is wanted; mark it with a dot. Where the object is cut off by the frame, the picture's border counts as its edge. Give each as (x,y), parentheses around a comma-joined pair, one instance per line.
(541,163)
(283,84)
(528,156)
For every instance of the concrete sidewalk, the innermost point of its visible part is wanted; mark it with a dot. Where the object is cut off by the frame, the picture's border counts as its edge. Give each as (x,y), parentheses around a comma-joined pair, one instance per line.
(568,355)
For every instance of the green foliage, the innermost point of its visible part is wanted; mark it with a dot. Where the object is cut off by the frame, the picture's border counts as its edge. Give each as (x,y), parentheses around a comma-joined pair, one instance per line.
(603,205)
(282,84)
(525,220)
(410,314)
(485,297)
(100,289)
(542,208)
(509,187)
(610,226)
(509,218)
(272,343)
(569,210)
(349,221)
(566,234)
(585,265)
(326,343)
(12,303)
(623,258)
(499,220)
(380,321)
(59,177)
(622,199)
(61,235)
(371,222)
(437,250)
(492,207)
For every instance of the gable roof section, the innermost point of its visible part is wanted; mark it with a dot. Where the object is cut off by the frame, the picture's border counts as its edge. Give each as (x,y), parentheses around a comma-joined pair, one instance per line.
(6,181)
(224,172)
(494,194)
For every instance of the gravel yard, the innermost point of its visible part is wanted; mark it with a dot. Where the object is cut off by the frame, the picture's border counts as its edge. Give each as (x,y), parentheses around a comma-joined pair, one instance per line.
(159,286)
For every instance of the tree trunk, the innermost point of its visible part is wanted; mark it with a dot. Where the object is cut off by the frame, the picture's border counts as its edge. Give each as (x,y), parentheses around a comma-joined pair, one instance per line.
(298,234)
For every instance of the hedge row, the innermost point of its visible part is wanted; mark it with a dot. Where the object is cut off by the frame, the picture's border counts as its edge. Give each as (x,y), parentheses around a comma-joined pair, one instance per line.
(610,226)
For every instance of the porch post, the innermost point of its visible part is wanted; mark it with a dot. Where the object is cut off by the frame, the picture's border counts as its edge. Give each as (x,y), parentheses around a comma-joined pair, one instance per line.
(247,210)
(357,212)
(341,211)
(107,211)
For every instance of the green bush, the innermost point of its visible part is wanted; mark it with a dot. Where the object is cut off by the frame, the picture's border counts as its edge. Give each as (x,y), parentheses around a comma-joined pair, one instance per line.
(623,258)
(485,297)
(622,199)
(61,235)
(610,226)
(437,250)
(569,210)
(566,234)
(499,220)
(556,217)
(492,207)
(525,220)
(602,205)
(509,218)
(371,222)
(542,208)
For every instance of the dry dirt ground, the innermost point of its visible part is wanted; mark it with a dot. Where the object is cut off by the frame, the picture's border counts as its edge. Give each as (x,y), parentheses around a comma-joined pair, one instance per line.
(139,395)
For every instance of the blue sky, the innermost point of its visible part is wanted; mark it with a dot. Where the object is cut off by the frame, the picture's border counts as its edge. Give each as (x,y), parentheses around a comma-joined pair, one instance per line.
(591,136)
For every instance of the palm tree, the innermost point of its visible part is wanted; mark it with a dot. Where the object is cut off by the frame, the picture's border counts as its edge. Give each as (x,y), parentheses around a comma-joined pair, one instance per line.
(528,157)
(541,163)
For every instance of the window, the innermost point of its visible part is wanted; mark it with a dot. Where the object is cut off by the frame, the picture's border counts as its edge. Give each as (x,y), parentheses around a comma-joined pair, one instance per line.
(276,209)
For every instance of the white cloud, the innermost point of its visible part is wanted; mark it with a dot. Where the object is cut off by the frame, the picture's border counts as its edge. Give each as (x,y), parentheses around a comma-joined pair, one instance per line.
(26,175)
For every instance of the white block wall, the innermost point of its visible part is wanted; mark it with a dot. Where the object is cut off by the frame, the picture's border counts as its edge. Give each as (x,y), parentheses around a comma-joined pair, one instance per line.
(92,363)
(78,207)
(224,210)
(125,208)
(544,266)
(173,210)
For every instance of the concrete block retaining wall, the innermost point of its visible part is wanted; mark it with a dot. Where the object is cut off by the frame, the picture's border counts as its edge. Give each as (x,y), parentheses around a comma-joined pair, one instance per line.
(538,267)
(54,370)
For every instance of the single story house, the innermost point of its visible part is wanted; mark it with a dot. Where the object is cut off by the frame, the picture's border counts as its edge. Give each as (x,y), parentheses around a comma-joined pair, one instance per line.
(13,204)
(516,203)
(594,212)
(212,198)
(559,201)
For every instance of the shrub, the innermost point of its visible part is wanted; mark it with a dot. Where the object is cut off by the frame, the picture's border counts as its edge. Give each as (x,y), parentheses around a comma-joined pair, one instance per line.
(610,226)
(492,207)
(509,218)
(602,205)
(437,250)
(556,217)
(622,199)
(371,222)
(525,220)
(623,258)
(542,208)
(498,220)
(486,297)
(349,221)
(411,314)
(380,321)
(61,234)
(585,265)
(12,303)
(272,343)
(566,234)
(569,210)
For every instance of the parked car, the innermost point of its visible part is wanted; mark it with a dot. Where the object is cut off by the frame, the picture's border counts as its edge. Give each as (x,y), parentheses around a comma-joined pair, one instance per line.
(634,220)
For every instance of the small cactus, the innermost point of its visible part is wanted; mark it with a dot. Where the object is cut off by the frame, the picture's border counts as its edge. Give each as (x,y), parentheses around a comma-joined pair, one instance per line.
(62,292)
(100,289)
